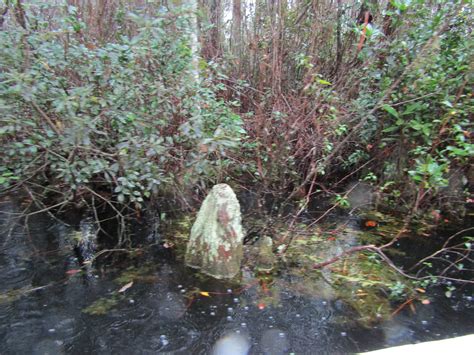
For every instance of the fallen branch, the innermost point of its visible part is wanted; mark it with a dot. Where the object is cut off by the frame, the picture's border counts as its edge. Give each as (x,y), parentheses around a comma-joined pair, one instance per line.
(388,261)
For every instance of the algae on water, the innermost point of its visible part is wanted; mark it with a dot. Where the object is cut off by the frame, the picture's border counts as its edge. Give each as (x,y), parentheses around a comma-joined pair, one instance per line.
(361,280)
(103,305)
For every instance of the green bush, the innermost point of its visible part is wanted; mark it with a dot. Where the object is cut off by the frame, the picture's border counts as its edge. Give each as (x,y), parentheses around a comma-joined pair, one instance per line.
(424,125)
(125,116)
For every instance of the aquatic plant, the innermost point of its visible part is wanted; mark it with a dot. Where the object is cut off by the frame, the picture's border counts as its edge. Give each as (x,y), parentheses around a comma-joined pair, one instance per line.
(103,305)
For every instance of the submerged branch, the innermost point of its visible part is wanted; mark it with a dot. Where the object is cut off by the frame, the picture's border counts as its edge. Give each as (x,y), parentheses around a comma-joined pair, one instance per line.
(444,248)
(343,254)
(390,263)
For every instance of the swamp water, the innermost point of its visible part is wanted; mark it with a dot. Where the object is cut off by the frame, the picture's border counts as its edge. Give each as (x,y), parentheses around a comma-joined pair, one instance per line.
(47,307)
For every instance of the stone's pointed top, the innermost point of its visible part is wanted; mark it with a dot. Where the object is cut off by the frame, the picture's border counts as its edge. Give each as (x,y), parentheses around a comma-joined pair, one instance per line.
(222,186)
(215,244)
(223,189)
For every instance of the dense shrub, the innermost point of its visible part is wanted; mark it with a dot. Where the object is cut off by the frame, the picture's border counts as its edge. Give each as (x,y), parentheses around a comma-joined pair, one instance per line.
(127,117)
(423,128)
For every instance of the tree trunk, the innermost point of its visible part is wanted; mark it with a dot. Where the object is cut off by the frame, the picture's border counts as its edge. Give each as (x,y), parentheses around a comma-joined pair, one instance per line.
(339,49)
(192,5)
(236,39)
(215,12)
(211,38)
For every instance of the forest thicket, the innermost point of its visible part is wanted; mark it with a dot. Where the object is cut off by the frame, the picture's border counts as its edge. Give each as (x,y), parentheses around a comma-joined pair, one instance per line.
(114,102)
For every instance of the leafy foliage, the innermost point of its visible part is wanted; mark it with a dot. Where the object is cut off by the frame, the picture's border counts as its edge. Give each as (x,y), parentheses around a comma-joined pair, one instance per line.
(124,116)
(425,121)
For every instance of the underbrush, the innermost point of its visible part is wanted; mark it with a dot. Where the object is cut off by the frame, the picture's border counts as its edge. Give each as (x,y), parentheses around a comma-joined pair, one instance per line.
(112,122)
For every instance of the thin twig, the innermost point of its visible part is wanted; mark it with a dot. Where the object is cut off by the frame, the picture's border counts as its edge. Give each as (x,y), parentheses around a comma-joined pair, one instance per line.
(46,118)
(378,105)
(443,248)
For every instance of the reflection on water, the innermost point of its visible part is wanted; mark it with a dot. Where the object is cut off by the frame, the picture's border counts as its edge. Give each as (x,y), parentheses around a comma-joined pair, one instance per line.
(232,344)
(173,310)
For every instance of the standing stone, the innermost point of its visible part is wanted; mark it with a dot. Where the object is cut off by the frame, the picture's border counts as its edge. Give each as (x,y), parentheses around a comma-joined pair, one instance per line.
(265,258)
(216,241)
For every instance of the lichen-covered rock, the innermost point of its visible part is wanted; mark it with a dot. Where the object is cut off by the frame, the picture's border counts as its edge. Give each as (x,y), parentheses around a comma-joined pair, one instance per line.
(265,258)
(216,241)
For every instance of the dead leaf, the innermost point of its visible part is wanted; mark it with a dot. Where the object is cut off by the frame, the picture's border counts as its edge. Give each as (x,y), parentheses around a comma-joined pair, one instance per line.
(126,287)
(420,290)
(204,293)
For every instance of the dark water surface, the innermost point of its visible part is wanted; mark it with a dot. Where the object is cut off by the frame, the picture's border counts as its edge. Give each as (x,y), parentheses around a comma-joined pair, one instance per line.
(42,307)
